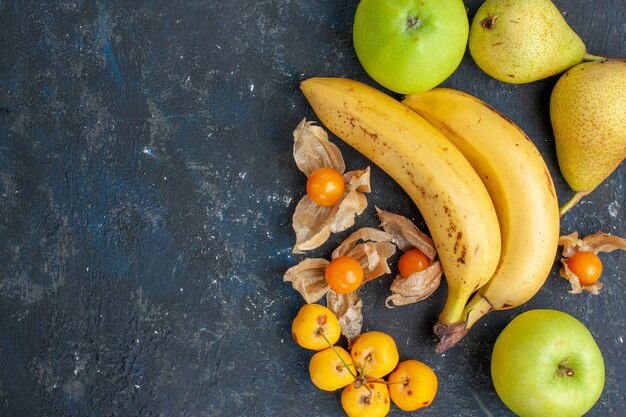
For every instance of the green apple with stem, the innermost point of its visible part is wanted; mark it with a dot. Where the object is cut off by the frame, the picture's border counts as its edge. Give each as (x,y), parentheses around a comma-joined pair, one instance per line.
(547,363)
(410,46)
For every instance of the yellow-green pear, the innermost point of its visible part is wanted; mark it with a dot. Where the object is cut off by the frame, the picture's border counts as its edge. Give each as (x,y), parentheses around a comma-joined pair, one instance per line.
(523,41)
(588,115)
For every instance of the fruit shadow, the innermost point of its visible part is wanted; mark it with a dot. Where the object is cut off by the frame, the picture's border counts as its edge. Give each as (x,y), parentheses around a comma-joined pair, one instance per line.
(476,348)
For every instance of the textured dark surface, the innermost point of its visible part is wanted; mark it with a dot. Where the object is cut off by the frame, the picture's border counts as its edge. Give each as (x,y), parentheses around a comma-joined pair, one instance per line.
(146,193)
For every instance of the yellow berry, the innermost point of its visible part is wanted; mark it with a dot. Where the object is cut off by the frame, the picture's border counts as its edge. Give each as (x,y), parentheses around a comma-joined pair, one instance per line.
(364,402)
(328,372)
(311,321)
(412,385)
(376,352)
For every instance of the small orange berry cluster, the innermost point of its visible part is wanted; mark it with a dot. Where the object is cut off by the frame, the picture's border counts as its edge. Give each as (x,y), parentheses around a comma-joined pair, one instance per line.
(410,384)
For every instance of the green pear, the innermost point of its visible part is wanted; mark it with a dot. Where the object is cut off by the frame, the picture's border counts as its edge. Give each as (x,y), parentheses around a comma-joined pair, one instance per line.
(523,41)
(588,115)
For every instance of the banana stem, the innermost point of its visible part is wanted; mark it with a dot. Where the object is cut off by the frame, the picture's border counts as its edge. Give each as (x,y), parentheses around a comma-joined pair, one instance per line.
(449,335)
(475,310)
(572,202)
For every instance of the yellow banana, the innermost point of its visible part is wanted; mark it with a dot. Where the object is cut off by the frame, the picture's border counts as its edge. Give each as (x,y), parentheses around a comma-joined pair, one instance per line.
(447,191)
(522,191)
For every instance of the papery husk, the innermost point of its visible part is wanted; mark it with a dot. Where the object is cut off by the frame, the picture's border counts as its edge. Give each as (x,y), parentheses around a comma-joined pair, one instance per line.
(371,248)
(358,180)
(419,285)
(308,278)
(405,233)
(364,234)
(596,242)
(353,202)
(348,309)
(372,254)
(416,287)
(313,224)
(313,150)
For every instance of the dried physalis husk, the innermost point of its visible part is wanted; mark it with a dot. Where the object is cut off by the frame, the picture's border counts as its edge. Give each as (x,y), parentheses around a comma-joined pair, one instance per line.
(348,309)
(418,285)
(313,150)
(597,242)
(308,279)
(312,223)
(371,248)
(405,233)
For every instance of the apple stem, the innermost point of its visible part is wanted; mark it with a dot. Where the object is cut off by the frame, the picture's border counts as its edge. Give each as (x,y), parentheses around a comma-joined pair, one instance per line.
(563,369)
(321,332)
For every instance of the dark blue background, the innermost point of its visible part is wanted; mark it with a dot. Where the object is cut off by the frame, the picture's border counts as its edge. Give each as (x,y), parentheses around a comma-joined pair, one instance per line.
(146,192)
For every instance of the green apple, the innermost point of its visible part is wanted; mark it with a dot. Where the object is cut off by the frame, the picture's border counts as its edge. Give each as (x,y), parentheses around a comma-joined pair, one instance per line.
(546,363)
(410,46)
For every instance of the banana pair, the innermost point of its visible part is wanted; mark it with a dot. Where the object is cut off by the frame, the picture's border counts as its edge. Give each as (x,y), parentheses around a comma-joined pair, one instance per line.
(479,182)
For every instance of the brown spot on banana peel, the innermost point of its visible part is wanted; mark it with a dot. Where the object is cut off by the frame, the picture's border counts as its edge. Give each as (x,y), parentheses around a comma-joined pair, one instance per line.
(366,132)
(460,248)
(461,259)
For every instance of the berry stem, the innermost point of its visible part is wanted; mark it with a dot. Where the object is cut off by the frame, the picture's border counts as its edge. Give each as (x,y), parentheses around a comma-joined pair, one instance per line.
(395,383)
(321,331)
(376,381)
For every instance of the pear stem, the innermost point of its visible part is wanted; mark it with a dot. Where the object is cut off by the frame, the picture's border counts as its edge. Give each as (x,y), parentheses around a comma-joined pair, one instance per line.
(589,57)
(572,202)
